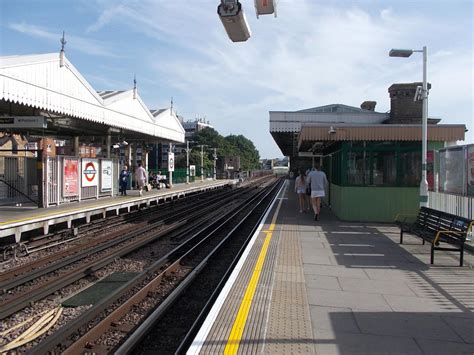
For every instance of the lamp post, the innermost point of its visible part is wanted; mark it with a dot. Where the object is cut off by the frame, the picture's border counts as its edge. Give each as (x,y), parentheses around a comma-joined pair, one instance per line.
(202,160)
(405,53)
(187,161)
(215,160)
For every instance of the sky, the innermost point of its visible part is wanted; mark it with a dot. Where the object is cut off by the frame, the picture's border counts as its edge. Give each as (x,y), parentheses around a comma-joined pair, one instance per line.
(313,53)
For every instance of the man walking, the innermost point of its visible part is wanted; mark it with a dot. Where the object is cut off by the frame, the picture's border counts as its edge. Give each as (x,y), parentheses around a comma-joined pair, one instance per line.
(140,176)
(318,182)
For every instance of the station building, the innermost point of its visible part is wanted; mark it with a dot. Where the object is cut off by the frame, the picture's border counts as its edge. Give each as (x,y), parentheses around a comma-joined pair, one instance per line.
(79,137)
(372,159)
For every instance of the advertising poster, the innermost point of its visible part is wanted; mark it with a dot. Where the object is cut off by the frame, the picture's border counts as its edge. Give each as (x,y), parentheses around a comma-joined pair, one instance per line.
(70,177)
(89,172)
(106,175)
(470,170)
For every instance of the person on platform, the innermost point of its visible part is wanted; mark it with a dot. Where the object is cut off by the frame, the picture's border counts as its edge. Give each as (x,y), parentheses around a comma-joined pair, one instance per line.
(300,189)
(141,178)
(123,180)
(318,181)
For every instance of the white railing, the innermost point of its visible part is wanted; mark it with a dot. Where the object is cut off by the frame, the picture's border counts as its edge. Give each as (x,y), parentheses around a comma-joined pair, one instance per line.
(455,204)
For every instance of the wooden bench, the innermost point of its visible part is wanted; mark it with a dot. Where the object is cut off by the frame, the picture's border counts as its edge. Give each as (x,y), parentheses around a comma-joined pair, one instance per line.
(438,227)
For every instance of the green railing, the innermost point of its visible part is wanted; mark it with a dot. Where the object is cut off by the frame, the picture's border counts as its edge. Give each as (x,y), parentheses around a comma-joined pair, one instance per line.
(179,174)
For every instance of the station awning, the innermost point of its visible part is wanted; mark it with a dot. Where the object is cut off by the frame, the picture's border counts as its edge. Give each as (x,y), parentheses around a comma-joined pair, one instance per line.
(46,83)
(380,132)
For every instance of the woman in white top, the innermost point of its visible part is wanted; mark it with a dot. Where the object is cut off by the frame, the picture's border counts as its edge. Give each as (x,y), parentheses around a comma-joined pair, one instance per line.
(300,189)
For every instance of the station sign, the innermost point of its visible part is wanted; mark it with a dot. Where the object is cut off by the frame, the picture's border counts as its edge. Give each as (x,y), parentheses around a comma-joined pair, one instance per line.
(170,161)
(192,170)
(70,177)
(105,175)
(23,122)
(90,172)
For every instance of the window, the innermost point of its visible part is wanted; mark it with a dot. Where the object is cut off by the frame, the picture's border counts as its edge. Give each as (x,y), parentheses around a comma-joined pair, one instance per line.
(384,168)
(357,168)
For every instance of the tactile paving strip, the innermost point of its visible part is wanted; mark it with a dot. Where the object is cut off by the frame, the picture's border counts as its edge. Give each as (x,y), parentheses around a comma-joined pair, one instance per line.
(289,328)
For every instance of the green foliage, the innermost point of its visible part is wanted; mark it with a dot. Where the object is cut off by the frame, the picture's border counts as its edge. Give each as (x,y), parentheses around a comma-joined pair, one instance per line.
(231,145)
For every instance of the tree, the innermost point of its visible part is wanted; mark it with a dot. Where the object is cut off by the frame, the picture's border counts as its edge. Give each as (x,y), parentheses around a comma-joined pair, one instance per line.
(231,145)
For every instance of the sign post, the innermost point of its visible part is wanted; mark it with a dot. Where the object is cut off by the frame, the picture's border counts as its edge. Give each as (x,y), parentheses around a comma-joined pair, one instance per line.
(170,165)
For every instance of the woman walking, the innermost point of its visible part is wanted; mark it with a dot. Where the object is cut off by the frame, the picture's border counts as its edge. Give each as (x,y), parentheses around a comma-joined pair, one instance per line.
(300,189)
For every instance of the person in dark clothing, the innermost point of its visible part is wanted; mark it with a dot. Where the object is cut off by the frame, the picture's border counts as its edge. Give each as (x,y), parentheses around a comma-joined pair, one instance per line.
(123,180)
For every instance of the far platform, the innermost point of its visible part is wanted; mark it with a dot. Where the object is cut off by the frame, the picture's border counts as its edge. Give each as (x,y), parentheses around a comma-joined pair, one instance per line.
(333,287)
(16,220)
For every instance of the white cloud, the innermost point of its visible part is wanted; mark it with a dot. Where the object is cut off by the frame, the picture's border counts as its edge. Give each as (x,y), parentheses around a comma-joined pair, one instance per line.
(82,44)
(312,54)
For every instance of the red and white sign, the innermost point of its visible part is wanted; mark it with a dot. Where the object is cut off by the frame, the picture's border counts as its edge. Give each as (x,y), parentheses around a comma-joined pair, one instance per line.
(90,172)
(70,177)
(170,161)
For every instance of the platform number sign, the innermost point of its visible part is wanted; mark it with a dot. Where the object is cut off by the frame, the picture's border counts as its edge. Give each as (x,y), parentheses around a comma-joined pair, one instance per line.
(89,172)
(170,161)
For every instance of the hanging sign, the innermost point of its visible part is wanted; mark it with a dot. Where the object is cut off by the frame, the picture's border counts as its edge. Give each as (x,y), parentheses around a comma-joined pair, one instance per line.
(170,161)
(89,172)
(105,175)
(70,177)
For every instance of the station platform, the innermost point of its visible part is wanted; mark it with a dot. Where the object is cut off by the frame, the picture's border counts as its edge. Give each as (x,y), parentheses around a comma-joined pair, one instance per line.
(331,287)
(16,220)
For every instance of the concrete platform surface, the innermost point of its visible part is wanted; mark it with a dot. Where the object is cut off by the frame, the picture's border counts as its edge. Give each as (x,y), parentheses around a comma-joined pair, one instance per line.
(345,288)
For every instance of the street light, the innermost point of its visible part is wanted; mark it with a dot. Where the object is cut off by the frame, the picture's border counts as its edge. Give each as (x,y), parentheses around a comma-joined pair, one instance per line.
(215,160)
(187,160)
(202,160)
(405,53)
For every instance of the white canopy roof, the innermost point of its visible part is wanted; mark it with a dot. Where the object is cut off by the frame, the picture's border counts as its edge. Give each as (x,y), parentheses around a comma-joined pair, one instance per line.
(39,81)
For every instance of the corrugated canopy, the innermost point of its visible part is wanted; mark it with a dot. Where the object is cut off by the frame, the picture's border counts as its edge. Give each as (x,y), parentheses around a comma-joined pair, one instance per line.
(380,132)
(39,81)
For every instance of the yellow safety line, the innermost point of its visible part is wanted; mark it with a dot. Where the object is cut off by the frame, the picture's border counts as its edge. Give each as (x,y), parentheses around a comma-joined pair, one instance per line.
(235,336)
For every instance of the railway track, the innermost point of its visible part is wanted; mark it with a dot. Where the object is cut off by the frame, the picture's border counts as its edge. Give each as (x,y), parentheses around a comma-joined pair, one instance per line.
(54,275)
(161,284)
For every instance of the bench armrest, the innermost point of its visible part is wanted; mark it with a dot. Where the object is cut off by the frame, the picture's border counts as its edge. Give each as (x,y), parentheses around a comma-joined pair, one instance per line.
(402,217)
(438,234)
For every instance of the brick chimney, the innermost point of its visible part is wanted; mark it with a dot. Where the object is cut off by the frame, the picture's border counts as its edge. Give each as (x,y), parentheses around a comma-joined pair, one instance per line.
(368,105)
(403,110)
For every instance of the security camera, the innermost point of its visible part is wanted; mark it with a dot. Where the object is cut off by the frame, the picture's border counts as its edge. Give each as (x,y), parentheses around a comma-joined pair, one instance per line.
(116,146)
(332,130)
(233,18)
(124,143)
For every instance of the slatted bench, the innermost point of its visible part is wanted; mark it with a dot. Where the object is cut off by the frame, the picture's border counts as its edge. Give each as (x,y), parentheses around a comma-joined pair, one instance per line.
(438,227)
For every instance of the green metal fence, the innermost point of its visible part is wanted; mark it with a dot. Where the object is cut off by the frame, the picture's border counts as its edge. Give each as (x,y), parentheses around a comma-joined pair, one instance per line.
(179,174)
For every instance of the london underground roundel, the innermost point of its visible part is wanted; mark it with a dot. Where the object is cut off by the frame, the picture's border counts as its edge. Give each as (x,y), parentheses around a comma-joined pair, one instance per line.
(89,172)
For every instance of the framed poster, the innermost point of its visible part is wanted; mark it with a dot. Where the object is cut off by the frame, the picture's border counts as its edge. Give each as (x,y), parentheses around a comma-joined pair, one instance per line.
(105,175)
(89,172)
(70,177)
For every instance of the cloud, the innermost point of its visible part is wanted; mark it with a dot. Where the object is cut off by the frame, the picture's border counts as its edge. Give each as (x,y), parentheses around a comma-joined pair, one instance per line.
(313,54)
(81,44)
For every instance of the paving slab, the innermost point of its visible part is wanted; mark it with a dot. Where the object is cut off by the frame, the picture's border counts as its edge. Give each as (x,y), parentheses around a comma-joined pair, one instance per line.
(323,282)
(411,325)
(436,347)
(346,299)
(386,287)
(328,343)
(336,270)
(335,319)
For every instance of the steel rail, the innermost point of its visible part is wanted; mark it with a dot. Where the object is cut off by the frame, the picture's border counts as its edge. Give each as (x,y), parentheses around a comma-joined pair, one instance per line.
(130,344)
(14,304)
(102,327)
(33,270)
(60,337)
